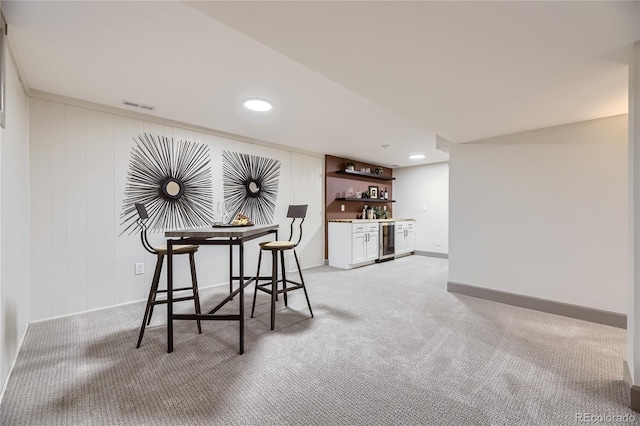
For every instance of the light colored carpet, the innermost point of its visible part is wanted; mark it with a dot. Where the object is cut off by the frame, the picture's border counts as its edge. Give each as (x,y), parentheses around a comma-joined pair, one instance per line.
(388,346)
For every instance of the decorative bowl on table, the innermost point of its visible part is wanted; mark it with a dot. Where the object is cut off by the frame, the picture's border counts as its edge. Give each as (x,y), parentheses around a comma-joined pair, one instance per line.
(240,220)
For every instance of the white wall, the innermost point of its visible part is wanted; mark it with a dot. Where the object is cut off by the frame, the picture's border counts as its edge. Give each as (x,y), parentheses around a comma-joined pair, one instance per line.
(424,186)
(544,213)
(79,159)
(14,221)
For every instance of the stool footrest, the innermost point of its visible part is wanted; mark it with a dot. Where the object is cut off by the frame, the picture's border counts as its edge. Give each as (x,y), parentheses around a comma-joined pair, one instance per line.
(267,287)
(295,287)
(178,299)
(176,289)
(207,317)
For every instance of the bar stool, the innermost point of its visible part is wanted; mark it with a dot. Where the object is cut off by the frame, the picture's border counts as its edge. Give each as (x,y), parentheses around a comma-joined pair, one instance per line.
(161,252)
(279,247)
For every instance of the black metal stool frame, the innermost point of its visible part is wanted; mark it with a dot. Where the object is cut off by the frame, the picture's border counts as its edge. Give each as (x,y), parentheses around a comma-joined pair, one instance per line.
(271,287)
(153,291)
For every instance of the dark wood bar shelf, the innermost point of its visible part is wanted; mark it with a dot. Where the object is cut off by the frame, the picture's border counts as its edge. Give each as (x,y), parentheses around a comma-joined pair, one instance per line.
(363,174)
(369,200)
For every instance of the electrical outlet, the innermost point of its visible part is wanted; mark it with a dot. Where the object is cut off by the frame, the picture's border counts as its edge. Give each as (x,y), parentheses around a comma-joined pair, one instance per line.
(437,241)
(341,207)
(139,268)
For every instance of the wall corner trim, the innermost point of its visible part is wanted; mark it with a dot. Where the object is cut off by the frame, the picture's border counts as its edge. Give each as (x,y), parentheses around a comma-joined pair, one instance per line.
(626,376)
(13,363)
(634,398)
(633,392)
(612,319)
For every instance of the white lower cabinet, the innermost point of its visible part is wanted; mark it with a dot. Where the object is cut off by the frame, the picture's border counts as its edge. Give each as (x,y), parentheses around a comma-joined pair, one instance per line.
(358,243)
(365,242)
(353,244)
(404,240)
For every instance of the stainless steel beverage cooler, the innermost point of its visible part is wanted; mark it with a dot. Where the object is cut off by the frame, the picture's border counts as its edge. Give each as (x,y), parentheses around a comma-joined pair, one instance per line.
(387,239)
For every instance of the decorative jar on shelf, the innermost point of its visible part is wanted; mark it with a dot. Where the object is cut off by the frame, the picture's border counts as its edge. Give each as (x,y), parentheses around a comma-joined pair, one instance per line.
(350,166)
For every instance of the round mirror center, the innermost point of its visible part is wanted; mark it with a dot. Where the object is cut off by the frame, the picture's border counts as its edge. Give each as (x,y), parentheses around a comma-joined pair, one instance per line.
(253,187)
(172,188)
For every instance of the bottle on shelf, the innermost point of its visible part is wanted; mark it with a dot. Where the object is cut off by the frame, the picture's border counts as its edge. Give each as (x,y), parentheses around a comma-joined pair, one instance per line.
(386,194)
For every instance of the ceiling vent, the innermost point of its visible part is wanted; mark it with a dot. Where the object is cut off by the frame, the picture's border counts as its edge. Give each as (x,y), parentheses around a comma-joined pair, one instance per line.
(138,105)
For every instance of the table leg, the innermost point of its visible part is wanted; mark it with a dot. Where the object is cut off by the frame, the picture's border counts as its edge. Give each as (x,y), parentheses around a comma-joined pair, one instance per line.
(230,267)
(274,286)
(241,255)
(169,296)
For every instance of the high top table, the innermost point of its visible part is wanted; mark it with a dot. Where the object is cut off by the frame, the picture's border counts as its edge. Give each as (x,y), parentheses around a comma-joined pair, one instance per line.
(219,236)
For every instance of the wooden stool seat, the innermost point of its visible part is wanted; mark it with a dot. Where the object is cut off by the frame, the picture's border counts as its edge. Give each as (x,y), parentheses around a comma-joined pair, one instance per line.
(184,249)
(277,245)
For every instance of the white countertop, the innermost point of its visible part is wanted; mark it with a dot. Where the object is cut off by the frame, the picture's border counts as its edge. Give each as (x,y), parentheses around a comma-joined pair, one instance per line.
(368,220)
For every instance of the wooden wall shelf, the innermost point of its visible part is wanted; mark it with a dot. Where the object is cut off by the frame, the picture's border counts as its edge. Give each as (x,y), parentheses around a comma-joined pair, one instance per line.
(369,200)
(363,174)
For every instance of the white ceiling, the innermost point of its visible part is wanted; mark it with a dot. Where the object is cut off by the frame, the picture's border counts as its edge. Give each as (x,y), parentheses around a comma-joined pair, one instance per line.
(344,77)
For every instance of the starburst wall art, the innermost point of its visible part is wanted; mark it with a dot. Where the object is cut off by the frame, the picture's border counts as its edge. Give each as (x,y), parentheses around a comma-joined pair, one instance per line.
(173,180)
(250,185)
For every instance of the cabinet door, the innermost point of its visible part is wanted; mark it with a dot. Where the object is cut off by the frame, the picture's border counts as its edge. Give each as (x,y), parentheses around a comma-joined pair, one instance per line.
(358,248)
(373,246)
(409,243)
(399,241)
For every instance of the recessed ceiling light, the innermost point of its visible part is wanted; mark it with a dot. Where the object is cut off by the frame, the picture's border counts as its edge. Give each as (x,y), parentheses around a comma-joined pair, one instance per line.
(259,105)
(416,156)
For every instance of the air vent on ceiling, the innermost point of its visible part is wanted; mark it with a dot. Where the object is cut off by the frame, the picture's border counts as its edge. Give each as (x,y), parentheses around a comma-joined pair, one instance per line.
(138,105)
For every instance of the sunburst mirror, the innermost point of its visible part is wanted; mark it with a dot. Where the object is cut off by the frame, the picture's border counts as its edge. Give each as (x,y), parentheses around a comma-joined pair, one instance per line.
(250,185)
(173,180)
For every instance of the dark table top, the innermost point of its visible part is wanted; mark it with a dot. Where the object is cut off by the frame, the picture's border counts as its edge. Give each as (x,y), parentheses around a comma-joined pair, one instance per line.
(222,232)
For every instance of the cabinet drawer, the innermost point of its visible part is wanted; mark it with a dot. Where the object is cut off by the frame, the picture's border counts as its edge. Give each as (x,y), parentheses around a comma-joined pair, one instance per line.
(373,227)
(356,229)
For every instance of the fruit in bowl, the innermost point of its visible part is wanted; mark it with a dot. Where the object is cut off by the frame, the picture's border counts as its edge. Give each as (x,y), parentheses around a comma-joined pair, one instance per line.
(241,220)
